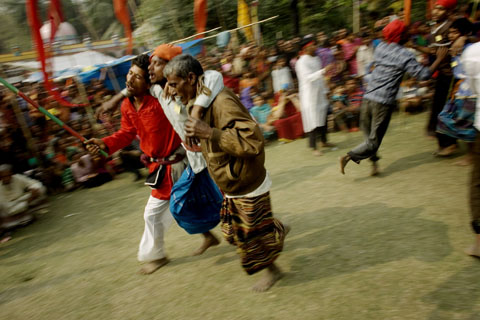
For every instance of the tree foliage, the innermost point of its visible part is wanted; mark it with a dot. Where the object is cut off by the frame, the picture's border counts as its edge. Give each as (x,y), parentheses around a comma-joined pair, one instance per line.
(315,15)
(166,20)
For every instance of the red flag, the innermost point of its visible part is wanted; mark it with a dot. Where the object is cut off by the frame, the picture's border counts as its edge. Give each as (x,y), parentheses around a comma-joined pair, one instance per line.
(55,16)
(121,12)
(35,24)
(200,16)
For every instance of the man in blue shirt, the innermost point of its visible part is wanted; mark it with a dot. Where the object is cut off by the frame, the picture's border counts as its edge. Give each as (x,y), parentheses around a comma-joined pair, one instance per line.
(391,61)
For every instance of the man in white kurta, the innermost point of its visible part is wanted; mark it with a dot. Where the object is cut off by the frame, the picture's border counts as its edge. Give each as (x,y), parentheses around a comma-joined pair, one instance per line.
(18,195)
(313,95)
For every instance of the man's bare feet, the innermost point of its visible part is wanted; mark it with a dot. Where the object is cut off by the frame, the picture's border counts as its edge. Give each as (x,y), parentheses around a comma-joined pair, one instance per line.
(375,171)
(5,238)
(466,161)
(272,274)
(152,266)
(448,151)
(209,241)
(317,153)
(474,250)
(343,163)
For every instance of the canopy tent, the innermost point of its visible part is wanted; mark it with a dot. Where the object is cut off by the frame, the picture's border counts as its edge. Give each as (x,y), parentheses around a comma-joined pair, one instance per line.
(118,69)
(59,63)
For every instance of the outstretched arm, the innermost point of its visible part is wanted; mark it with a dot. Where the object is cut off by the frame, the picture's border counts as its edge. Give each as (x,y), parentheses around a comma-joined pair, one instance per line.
(112,104)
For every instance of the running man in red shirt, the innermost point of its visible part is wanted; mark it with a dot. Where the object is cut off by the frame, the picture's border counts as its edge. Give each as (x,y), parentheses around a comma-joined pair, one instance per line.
(143,116)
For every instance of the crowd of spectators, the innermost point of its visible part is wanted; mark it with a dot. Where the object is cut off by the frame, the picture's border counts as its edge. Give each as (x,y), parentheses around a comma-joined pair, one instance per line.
(263,77)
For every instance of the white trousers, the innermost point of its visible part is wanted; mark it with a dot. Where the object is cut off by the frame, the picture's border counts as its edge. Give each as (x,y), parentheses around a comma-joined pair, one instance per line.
(158,219)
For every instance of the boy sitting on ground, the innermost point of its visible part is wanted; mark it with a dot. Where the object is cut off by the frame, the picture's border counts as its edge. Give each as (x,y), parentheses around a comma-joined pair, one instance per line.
(262,112)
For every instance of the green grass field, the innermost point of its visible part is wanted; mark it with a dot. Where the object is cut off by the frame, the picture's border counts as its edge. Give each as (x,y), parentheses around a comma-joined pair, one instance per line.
(387,247)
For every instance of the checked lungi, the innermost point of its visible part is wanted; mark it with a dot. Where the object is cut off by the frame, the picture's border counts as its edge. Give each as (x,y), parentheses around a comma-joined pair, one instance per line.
(249,224)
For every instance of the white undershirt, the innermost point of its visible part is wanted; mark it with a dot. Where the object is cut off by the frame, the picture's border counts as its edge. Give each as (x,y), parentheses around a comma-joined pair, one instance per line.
(263,188)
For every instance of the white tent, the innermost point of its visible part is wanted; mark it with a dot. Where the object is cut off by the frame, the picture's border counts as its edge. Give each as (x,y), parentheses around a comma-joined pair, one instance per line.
(79,60)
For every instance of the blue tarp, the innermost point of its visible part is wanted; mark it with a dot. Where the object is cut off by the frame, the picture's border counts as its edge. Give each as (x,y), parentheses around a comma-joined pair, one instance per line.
(192,47)
(119,67)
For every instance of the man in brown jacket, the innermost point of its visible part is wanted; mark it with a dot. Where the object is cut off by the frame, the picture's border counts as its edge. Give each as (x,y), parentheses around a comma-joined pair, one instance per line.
(233,146)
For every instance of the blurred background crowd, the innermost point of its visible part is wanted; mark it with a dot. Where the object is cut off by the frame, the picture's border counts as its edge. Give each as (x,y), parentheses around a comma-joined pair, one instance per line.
(262,76)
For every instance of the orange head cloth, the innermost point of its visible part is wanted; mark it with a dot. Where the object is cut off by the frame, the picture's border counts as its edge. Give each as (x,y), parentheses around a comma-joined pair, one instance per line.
(447,4)
(394,30)
(166,51)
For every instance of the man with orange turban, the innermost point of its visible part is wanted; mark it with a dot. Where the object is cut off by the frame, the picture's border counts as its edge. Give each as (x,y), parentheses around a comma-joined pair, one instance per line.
(391,61)
(178,113)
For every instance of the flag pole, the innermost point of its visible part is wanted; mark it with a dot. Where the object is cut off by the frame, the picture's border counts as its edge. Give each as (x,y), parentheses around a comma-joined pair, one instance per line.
(356,16)
(46,113)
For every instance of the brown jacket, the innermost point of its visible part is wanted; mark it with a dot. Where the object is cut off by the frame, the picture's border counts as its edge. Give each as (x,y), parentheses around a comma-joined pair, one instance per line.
(235,152)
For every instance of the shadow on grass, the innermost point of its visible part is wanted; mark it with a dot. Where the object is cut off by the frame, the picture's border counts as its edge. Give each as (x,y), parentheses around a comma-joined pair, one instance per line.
(403,164)
(284,179)
(459,294)
(345,240)
(414,161)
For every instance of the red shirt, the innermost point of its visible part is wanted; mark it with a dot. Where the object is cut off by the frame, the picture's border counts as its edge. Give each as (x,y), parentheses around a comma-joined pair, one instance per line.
(157,137)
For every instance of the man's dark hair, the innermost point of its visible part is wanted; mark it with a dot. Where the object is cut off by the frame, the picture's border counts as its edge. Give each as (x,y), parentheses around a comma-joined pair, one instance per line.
(351,78)
(182,65)
(307,39)
(463,25)
(142,61)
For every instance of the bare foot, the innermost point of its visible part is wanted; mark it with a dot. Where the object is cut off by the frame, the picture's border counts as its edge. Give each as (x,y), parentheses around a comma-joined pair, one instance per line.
(466,161)
(473,251)
(317,153)
(375,171)
(343,163)
(272,274)
(152,266)
(5,239)
(209,241)
(448,151)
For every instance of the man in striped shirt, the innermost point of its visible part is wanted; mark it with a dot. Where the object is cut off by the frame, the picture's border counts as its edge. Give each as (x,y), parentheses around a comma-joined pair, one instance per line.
(391,61)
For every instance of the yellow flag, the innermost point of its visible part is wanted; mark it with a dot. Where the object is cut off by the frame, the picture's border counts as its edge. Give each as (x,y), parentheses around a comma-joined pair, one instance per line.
(243,19)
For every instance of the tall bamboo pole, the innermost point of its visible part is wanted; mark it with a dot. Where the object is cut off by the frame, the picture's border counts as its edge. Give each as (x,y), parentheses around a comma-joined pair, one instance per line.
(114,80)
(356,16)
(25,129)
(407,8)
(84,97)
(256,28)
